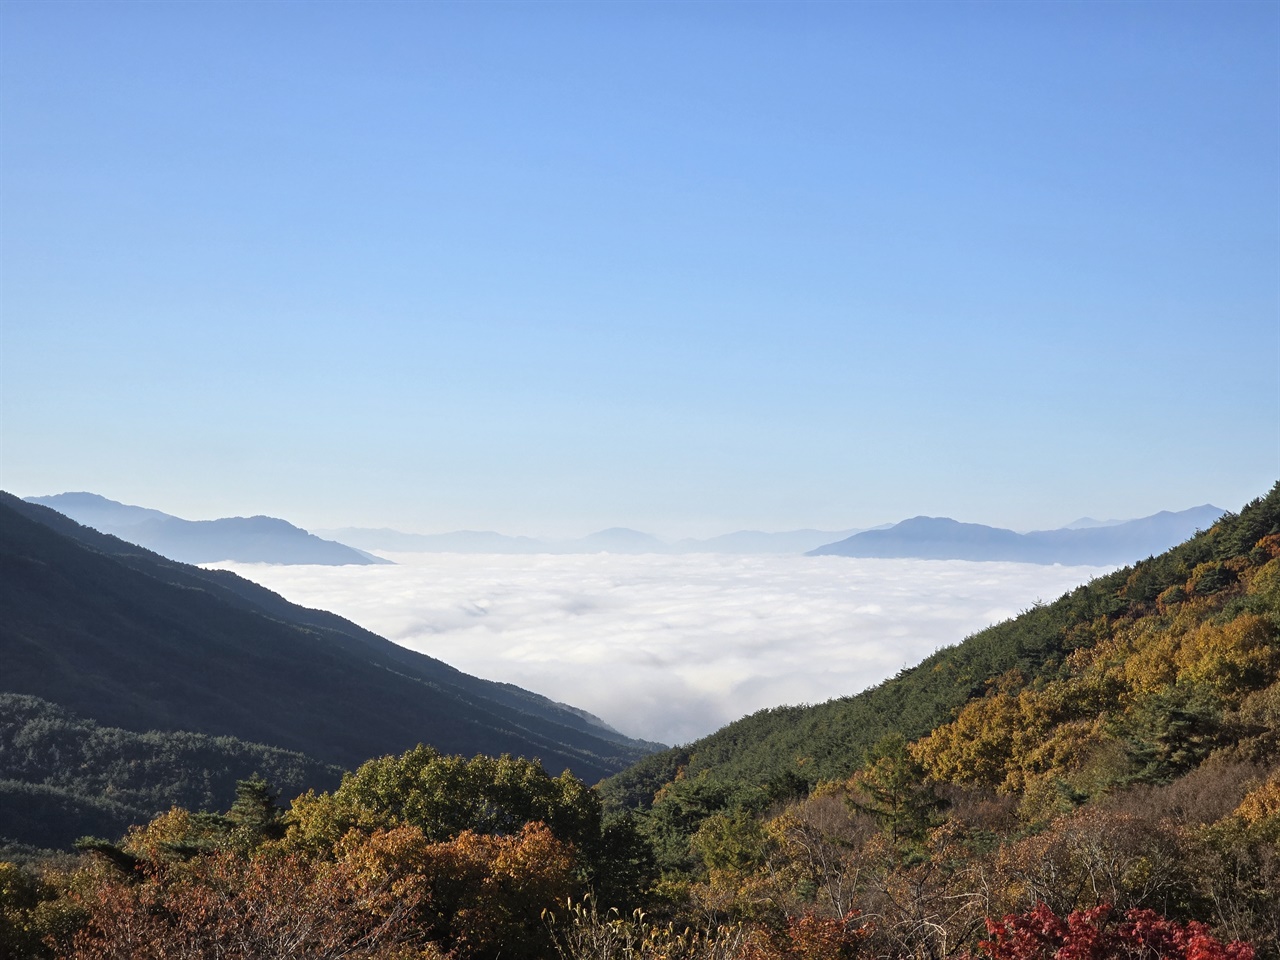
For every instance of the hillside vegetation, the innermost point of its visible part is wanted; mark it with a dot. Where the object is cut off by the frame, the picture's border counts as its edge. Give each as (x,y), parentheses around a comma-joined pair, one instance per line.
(1119,745)
(787,750)
(64,776)
(1097,779)
(127,639)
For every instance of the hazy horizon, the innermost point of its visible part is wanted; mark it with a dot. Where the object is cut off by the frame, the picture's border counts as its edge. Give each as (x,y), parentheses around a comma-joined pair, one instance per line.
(335,531)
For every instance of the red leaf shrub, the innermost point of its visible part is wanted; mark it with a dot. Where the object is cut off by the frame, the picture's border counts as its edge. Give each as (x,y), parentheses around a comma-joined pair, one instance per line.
(1092,935)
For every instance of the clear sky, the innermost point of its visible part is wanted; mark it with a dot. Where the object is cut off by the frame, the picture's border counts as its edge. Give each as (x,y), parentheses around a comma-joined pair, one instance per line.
(689,268)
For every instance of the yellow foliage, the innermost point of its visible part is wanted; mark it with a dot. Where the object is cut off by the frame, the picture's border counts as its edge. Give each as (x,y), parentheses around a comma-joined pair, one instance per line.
(1265,582)
(1066,748)
(313,822)
(1029,739)
(1230,659)
(1042,798)
(153,840)
(1000,740)
(977,745)
(1262,803)
(399,858)
(478,892)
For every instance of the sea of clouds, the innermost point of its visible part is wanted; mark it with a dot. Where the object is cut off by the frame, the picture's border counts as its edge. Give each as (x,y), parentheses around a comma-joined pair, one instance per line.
(670,648)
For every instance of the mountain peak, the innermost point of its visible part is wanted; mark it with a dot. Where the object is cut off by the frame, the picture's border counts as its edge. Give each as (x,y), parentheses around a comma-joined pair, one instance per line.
(941,538)
(256,539)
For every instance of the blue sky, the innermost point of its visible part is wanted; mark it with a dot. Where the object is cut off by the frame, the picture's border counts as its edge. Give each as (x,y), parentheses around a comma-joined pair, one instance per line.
(690,268)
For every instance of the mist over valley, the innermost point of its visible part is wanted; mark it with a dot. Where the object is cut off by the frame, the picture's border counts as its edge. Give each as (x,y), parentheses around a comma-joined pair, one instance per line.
(571,481)
(669,648)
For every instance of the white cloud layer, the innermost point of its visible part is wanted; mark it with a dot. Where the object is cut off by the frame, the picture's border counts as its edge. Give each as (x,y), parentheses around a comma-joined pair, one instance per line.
(672,647)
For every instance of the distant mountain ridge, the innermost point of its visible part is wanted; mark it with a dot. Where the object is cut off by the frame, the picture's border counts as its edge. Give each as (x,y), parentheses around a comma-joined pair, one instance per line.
(1084,523)
(1084,541)
(941,538)
(613,540)
(758,541)
(263,539)
(243,539)
(459,541)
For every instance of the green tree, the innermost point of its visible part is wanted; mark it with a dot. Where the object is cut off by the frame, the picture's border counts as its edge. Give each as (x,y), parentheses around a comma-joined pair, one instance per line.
(255,816)
(445,796)
(893,791)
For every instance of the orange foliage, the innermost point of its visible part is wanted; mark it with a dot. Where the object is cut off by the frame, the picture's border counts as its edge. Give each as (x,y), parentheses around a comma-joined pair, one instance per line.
(230,907)
(478,895)
(811,937)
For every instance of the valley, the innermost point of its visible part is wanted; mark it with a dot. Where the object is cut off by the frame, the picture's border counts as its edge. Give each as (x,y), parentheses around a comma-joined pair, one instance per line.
(1134,711)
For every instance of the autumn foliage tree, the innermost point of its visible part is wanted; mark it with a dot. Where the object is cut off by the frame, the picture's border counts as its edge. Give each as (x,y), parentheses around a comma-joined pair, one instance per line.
(419,853)
(1099,934)
(1116,796)
(225,906)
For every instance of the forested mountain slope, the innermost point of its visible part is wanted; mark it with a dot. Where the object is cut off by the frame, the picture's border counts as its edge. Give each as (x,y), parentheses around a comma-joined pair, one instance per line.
(1102,772)
(1114,753)
(785,751)
(781,750)
(129,639)
(62,776)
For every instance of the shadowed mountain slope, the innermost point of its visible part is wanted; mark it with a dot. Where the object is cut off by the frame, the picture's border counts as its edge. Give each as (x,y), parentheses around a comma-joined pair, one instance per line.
(127,638)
